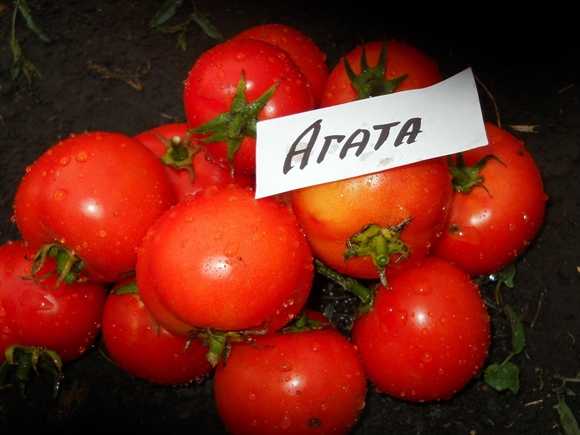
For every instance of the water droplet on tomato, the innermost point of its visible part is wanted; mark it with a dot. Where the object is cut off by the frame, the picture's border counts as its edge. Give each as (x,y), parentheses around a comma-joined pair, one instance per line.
(427,357)
(286,421)
(402,316)
(59,194)
(285,367)
(423,290)
(240,56)
(102,233)
(81,156)
(252,396)
(64,161)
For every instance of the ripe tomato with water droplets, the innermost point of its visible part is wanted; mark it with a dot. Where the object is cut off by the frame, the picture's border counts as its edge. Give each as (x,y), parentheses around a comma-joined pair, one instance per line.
(91,198)
(500,210)
(292,382)
(65,319)
(231,87)
(222,259)
(145,349)
(404,67)
(427,336)
(304,52)
(332,214)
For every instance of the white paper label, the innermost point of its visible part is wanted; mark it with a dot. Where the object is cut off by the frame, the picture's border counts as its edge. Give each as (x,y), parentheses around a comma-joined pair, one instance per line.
(367,136)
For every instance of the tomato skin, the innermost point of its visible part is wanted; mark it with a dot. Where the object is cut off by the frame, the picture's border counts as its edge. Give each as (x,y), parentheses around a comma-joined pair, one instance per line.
(426,337)
(330,213)
(224,260)
(304,382)
(402,58)
(65,319)
(206,172)
(146,350)
(95,193)
(304,52)
(489,229)
(211,85)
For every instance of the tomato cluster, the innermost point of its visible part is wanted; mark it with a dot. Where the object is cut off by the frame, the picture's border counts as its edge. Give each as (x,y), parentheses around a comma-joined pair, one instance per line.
(158,242)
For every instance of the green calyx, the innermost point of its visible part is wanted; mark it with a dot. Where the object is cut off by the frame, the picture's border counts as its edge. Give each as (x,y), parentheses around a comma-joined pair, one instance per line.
(365,294)
(371,82)
(379,243)
(219,342)
(465,178)
(240,122)
(180,153)
(21,361)
(69,267)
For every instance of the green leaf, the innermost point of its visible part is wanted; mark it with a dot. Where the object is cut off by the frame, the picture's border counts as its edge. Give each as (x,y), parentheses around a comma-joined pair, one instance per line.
(518,334)
(569,423)
(25,11)
(208,28)
(167,11)
(503,377)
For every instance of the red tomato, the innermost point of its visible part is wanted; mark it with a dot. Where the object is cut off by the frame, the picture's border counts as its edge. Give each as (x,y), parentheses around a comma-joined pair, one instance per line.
(224,260)
(401,59)
(145,349)
(490,225)
(304,52)
(426,337)
(94,195)
(187,165)
(298,383)
(227,81)
(65,319)
(332,213)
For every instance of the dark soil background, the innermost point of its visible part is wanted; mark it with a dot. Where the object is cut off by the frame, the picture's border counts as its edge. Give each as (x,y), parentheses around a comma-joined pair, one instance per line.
(526,59)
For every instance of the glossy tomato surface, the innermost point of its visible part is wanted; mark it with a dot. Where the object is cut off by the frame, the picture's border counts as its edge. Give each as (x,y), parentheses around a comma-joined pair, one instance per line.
(224,260)
(145,349)
(95,194)
(65,319)
(211,86)
(401,59)
(304,52)
(195,172)
(426,337)
(299,383)
(333,212)
(493,223)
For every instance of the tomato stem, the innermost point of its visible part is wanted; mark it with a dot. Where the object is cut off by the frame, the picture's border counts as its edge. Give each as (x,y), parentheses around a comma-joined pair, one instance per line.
(69,267)
(25,359)
(180,153)
(240,122)
(464,177)
(365,294)
(371,82)
(379,243)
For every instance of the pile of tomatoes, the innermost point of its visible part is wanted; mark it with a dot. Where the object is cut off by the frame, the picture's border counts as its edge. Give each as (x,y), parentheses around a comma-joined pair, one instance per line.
(158,243)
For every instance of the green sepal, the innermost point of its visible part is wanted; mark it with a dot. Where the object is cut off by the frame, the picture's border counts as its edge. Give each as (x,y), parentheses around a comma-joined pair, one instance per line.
(371,82)
(240,122)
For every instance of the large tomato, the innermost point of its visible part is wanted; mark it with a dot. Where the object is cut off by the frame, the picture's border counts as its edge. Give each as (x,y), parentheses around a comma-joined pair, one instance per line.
(186,163)
(371,214)
(500,208)
(65,318)
(93,195)
(426,337)
(297,382)
(145,349)
(231,87)
(402,67)
(223,260)
(304,52)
